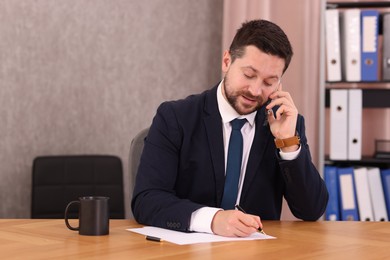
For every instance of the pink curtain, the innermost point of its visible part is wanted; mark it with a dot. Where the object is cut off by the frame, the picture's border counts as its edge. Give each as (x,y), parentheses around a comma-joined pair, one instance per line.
(301,21)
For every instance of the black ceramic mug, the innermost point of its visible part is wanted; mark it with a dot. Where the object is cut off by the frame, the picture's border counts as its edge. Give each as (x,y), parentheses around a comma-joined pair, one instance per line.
(93,216)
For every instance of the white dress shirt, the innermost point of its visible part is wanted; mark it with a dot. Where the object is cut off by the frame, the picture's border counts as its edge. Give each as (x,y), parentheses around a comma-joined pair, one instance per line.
(201,219)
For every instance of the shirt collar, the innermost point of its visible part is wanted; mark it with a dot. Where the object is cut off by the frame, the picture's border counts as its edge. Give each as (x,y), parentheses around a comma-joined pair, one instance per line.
(228,113)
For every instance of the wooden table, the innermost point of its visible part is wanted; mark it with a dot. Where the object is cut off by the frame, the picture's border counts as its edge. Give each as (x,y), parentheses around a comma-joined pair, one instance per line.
(50,239)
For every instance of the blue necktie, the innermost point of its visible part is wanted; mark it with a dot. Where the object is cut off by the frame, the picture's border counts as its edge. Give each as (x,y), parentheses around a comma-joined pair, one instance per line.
(233,167)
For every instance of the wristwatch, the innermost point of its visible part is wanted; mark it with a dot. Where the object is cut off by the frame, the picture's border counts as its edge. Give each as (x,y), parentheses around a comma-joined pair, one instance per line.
(280,143)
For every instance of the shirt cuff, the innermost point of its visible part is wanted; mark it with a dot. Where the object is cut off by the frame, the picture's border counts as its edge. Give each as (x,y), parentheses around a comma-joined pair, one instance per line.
(290,155)
(201,219)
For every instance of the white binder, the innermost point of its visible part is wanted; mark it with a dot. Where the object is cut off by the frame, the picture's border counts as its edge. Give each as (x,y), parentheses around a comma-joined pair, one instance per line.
(363,194)
(333,53)
(355,103)
(338,124)
(377,195)
(350,34)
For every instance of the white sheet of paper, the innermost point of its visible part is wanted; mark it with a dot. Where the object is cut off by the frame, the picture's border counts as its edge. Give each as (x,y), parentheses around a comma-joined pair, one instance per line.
(182,238)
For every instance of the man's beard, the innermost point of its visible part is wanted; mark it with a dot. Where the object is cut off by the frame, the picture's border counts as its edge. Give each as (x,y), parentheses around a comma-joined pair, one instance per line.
(232,98)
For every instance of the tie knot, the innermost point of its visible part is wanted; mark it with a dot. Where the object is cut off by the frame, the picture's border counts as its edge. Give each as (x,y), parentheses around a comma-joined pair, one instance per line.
(237,124)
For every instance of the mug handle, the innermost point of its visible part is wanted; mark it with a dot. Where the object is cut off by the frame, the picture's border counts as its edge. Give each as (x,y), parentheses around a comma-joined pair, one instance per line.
(66,216)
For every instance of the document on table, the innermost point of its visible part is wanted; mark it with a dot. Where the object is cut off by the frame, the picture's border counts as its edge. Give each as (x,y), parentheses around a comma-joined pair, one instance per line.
(182,238)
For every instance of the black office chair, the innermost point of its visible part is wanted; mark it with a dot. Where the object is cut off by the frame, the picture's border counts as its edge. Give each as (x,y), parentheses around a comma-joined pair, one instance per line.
(57,180)
(136,148)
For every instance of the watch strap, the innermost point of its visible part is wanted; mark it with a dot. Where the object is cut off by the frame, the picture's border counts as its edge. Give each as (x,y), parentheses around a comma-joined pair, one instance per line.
(280,143)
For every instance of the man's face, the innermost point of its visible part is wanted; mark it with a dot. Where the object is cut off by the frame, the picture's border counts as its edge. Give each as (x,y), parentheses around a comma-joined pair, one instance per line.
(249,80)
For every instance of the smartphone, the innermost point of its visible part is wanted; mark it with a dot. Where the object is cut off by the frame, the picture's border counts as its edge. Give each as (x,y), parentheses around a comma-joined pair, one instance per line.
(266,112)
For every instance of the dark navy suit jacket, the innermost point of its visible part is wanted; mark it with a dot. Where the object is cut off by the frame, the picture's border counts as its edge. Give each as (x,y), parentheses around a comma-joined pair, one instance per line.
(182,168)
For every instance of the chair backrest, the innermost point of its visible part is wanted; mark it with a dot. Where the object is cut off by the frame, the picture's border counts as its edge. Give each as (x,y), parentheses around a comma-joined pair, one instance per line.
(58,180)
(136,147)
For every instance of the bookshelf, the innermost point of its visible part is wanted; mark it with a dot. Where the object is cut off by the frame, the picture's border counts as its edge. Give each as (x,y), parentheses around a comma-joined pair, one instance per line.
(375,94)
(364,173)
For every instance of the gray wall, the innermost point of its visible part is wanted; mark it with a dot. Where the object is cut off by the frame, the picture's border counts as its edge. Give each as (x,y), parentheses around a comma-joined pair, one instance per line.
(84,76)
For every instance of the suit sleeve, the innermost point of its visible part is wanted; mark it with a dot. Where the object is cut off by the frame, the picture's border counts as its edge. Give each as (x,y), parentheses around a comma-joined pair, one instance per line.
(305,190)
(154,200)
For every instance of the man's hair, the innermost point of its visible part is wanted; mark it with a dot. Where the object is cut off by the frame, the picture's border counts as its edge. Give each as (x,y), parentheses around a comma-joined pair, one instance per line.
(266,36)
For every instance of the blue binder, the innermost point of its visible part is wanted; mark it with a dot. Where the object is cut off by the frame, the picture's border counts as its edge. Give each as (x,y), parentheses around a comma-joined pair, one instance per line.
(347,190)
(331,181)
(385,175)
(369,45)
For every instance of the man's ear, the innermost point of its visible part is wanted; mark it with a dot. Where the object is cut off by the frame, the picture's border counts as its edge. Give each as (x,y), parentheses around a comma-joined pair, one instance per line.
(226,61)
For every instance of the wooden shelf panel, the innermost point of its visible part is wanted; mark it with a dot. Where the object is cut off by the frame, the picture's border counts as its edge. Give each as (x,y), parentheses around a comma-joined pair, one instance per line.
(359,84)
(364,4)
(365,161)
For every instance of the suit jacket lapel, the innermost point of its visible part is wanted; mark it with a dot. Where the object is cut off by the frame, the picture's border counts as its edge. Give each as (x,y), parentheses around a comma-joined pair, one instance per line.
(213,126)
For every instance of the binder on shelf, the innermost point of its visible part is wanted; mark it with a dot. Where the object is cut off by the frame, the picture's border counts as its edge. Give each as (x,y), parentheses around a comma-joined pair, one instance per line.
(376,192)
(351,51)
(386,46)
(369,46)
(333,52)
(348,203)
(363,194)
(355,104)
(338,124)
(385,176)
(331,179)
